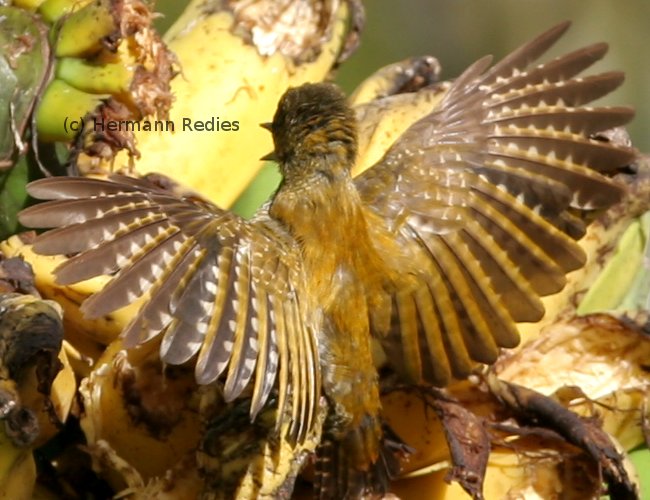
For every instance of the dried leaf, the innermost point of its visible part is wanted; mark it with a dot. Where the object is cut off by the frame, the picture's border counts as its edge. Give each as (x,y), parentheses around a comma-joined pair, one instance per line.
(532,407)
(468,441)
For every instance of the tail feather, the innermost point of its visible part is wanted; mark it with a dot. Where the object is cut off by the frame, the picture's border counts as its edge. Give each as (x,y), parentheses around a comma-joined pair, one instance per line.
(340,474)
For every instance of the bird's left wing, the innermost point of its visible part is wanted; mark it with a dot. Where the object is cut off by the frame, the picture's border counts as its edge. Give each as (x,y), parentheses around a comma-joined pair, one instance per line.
(216,286)
(483,197)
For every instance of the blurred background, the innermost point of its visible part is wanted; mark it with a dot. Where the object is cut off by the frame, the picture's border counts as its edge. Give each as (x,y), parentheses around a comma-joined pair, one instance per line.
(457,32)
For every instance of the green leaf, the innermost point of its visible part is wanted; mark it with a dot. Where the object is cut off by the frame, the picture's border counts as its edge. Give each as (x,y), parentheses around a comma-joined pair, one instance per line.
(258,191)
(12,196)
(170,10)
(615,281)
(639,291)
(641,460)
(24,56)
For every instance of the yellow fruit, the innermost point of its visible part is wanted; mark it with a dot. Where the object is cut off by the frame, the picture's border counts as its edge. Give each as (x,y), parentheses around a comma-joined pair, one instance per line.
(83,333)
(383,121)
(17,470)
(149,418)
(226,89)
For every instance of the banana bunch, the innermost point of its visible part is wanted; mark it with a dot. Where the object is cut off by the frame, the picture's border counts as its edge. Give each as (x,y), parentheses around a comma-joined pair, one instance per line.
(109,64)
(153,431)
(111,90)
(140,443)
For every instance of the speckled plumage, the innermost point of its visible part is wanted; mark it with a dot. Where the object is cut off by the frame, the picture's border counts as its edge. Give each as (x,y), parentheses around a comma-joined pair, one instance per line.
(437,250)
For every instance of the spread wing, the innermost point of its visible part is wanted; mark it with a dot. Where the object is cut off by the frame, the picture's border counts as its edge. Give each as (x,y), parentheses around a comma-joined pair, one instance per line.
(485,195)
(219,287)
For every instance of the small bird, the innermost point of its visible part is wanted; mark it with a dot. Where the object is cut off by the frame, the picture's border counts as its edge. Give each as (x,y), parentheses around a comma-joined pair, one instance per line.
(437,251)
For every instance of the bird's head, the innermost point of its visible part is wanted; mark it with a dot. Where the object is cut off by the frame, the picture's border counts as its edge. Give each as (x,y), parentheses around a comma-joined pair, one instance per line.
(314,131)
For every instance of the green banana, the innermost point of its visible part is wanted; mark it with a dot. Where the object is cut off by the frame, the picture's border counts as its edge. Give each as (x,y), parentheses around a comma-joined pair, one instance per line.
(109,65)
(83,31)
(61,113)
(112,78)
(53,10)
(28,4)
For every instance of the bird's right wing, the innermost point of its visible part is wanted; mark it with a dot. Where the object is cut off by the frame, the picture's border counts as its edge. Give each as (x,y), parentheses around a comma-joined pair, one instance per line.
(216,286)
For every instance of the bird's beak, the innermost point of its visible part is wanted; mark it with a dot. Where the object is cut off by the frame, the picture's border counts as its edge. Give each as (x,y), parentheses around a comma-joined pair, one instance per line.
(270,157)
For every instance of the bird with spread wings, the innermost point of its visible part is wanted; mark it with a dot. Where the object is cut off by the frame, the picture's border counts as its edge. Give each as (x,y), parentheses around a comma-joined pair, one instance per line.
(437,251)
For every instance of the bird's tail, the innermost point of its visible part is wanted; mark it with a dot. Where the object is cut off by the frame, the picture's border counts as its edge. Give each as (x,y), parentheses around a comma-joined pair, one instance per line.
(360,464)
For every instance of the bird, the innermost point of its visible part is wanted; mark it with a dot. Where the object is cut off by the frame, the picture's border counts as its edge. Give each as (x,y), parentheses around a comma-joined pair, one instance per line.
(437,251)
